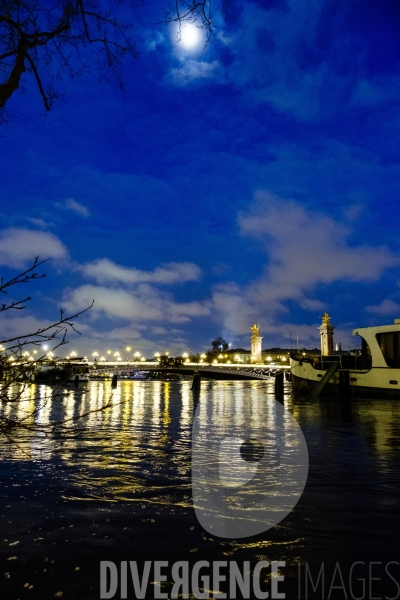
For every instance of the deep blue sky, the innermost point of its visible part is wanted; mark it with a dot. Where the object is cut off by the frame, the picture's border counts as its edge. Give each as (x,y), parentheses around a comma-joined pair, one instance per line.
(254,181)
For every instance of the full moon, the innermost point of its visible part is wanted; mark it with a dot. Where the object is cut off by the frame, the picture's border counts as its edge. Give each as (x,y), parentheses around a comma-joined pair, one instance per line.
(190,36)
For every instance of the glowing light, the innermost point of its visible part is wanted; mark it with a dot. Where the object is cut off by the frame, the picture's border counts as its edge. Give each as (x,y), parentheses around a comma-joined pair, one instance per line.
(190,37)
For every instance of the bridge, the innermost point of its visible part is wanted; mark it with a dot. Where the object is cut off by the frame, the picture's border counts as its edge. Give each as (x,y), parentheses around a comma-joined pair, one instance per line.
(224,371)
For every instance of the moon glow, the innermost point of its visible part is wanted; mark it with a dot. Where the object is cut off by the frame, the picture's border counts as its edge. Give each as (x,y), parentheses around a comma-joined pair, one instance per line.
(190,36)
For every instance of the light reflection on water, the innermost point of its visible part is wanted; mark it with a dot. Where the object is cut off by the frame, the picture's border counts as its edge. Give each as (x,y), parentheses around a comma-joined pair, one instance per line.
(132,462)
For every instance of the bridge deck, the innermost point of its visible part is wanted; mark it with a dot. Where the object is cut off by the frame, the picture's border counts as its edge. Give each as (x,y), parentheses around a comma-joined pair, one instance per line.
(211,372)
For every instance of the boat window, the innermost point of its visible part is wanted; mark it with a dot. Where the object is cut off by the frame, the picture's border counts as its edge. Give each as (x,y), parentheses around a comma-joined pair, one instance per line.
(366,357)
(390,345)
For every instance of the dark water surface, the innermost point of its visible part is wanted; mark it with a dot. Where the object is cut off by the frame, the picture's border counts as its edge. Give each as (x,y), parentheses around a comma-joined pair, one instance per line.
(117,486)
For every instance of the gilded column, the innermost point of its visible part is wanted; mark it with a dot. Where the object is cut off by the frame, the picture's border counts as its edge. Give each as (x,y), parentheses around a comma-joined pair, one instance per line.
(326,332)
(256,346)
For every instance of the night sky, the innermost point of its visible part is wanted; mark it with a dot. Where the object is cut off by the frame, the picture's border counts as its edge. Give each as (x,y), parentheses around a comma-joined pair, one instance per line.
(253,181)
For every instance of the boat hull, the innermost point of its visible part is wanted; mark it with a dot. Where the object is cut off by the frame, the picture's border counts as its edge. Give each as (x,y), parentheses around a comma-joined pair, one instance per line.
(364,383)
(60,376)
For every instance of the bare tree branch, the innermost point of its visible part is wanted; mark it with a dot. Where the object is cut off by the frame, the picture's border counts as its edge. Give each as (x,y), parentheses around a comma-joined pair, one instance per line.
(17,366)
(46,41)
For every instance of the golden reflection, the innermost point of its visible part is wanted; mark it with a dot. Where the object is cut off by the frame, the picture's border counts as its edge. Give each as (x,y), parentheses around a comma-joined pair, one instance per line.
(156,414)
(148,426)
(382,420)
(187,403)
(167,394)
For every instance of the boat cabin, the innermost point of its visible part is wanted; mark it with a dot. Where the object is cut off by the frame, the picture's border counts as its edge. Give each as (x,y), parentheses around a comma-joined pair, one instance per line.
(380,345)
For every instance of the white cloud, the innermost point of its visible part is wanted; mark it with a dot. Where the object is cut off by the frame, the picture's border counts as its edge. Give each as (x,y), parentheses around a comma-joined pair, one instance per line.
(158,330)
(312,304)
(304,248)
(124,335)
(40,222)
(19,246)
(155,38)
(191,70)
(77,207)
(386,307)
(21,326)
(144,303)
(113,301)
(104,270)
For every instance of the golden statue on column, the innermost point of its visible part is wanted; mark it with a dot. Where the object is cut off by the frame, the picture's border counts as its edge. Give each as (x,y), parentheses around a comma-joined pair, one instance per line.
(255,341)
(326,332)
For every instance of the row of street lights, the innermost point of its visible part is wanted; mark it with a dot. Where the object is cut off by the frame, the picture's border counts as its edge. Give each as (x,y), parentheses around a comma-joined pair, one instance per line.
(111,356)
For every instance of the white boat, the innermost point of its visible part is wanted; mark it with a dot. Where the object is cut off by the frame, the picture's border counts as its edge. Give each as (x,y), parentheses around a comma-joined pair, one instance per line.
(374,371)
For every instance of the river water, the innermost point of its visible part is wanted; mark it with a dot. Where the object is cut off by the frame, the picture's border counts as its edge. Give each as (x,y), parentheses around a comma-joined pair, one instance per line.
(115,485)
